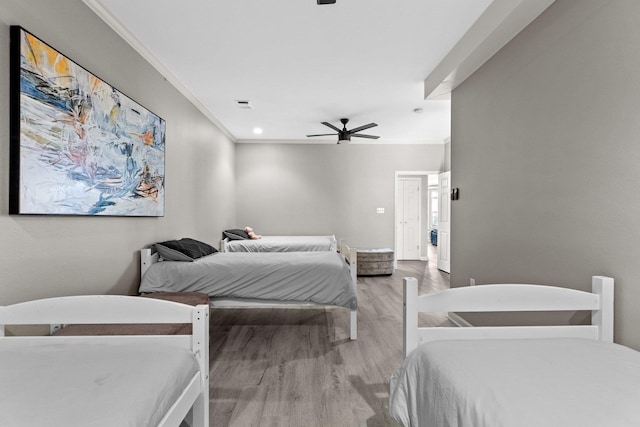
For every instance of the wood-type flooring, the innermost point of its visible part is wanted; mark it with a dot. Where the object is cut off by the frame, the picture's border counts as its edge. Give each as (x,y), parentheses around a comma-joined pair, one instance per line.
(297,367)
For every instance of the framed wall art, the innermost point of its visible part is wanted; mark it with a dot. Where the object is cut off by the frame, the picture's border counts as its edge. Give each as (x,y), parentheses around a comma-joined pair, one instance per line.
(78,145)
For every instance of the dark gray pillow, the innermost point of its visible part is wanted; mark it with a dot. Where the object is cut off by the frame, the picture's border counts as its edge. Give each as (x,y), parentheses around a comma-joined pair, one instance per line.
(184,249)
(236,234)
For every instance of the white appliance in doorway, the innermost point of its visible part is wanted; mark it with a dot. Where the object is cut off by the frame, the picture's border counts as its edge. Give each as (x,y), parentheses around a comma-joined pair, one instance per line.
(408,205)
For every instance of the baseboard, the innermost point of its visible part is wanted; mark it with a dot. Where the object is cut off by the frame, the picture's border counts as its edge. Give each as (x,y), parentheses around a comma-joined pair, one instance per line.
(458,320)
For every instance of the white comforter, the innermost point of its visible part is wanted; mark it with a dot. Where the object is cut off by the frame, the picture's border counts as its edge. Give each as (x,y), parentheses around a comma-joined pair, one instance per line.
(283,244)
(58,385)
(518,383)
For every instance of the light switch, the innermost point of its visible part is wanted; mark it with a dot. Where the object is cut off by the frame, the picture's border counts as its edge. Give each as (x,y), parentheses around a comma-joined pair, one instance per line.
(379,210)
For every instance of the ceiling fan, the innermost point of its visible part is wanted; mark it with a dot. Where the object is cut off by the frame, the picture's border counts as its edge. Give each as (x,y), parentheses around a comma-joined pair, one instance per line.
(344,134)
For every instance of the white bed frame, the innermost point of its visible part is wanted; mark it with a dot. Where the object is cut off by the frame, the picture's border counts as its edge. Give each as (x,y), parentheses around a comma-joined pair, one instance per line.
(148,256)
(508,297)
(193,403)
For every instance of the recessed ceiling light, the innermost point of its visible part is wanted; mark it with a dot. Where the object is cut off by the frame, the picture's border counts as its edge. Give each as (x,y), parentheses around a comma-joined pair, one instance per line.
(257,131)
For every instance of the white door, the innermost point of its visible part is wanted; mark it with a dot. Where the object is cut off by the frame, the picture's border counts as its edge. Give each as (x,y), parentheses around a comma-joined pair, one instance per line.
(408,218)
(444,222)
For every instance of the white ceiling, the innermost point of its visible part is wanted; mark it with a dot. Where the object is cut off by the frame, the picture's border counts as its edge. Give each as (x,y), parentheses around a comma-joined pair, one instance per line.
(300,64)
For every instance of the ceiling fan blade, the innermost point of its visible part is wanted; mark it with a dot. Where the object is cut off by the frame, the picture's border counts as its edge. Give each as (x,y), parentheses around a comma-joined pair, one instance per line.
(360,135)
(332,126)
(358,129)
(324,134)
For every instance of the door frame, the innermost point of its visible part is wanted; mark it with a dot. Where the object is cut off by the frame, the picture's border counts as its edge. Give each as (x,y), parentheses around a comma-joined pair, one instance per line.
(398,175)
(444,227)
(409,252)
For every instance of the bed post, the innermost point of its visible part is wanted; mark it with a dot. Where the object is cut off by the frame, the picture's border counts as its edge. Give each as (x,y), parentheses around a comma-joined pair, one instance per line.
(353,334)
(200,346)
(603,317)
(223,244)
(410,315)
(351,256)
(145,260)
(353,262)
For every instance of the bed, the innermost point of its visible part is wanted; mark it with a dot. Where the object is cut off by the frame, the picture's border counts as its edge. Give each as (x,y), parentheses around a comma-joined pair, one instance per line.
(569,376)
(106,380)
(246,279)
(281,244)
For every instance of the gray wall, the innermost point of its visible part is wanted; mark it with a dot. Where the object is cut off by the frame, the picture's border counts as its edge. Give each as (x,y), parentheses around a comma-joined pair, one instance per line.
(44,256)
(545,150)
(326,189)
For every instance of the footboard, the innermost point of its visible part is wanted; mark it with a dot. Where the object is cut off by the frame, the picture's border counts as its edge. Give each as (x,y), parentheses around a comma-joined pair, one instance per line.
(508,297)
(116,309)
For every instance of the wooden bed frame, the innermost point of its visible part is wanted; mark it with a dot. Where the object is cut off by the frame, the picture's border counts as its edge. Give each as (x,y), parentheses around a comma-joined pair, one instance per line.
(508,297)
(149,256)
(193,403)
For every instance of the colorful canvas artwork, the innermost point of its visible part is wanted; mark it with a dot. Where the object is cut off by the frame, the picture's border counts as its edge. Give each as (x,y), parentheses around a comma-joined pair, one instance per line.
(78,145)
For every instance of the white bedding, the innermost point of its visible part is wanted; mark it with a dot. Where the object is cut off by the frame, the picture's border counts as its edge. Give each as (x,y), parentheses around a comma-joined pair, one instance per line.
(49,386)
(521,383)
(316,277)
(283,244)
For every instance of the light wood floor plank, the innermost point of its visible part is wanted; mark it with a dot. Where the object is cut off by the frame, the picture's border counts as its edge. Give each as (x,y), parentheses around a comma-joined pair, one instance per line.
(297,367)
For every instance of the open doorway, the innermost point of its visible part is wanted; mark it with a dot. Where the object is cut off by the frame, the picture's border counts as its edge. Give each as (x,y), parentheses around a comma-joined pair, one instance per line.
(416,215)
(444,222)
(433,195)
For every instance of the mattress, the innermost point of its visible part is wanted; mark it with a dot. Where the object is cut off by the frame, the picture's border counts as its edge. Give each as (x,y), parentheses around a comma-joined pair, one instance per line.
(316,277)
(90,385)
(283,244)
(505,383)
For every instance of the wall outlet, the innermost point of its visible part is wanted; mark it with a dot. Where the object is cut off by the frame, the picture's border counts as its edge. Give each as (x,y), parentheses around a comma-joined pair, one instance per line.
(472,282)
(379,210)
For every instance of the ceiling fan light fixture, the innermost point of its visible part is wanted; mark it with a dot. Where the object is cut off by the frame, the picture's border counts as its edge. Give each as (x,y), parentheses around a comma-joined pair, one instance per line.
(344,134)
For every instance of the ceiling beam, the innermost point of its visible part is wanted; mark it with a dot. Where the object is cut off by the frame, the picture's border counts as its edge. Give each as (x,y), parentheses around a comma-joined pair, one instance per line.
(499,23)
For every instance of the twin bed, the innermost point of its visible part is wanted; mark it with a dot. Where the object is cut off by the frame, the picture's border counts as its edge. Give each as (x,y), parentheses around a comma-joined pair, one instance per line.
(152,380)
(281,244)
(137,381)
(569,376)
(242,279)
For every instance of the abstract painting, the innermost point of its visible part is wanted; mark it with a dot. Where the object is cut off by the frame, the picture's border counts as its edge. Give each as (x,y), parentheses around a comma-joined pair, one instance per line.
(78,145)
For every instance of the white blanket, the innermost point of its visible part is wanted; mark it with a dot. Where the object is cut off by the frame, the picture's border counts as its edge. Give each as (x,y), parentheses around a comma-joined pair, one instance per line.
(283,244)
(79,385)
(518,383)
